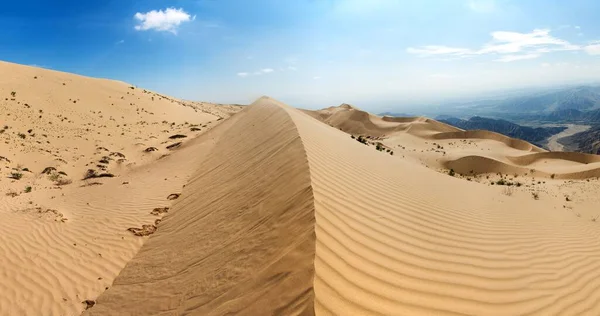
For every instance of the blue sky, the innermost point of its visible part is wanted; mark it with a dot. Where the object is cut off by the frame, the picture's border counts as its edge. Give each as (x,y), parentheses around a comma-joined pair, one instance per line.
(375,54)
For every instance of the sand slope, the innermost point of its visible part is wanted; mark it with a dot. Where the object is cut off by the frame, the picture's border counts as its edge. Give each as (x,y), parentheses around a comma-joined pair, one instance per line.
(393,239)
(390,238)
(272,212)
(241,238)
(63,239)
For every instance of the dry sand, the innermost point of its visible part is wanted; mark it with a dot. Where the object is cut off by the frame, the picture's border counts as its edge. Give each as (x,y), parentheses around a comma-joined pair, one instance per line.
(276,213)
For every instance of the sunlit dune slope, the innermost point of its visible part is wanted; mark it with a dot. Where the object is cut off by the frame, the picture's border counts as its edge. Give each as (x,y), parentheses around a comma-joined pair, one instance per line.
(63,238)
(387,236)
(241,238)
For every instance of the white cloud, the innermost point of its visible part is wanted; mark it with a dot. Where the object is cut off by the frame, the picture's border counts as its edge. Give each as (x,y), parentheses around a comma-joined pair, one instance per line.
(592,49)
(545,65)
(537,42)
(514,42)
(509,58)
(482,6)
(317,77)
(292,68)
(578,27)
(256,73)
(164,21)
(121,42)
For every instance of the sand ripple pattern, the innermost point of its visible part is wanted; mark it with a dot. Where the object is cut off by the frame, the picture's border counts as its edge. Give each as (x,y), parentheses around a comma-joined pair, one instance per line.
(241,238)
(392,241)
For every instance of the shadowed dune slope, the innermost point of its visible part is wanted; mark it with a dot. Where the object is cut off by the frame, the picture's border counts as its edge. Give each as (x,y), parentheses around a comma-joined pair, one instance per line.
(568,156)
(472,165)
(240,240)
(521,165)
(481,134)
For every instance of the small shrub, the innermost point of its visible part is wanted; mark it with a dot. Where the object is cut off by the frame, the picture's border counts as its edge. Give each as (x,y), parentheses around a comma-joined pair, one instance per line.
(89,174)
(63,181)
(552,176)
(54,177)
(16,175)
(451,172)
(22,135)
(13,94)
(27,189)
(536,196)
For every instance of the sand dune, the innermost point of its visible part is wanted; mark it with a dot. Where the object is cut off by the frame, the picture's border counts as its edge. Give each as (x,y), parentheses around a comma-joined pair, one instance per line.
(240,239)
(357,122)
(63,239)
(271,212)
(383,243)
(566,156)
(480,134)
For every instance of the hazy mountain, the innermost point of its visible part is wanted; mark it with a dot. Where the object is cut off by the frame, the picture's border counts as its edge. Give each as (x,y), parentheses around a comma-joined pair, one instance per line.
(586,142)
(394,114)
(533,135)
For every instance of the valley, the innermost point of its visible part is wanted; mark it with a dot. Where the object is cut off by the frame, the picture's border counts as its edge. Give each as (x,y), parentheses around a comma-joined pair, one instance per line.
(572,129)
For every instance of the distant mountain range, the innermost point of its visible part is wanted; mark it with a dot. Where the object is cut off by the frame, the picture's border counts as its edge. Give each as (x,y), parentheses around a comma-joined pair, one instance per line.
(572,116)
(534,135)
(586,142)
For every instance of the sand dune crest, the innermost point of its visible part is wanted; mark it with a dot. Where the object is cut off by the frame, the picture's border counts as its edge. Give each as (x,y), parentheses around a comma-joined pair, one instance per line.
(240,239)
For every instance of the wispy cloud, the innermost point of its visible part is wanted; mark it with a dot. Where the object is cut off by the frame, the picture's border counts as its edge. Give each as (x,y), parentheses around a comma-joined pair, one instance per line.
(509,58)
(528,45)
(167,20)
(317,77)
(256,73)
(120,42)
(593,48)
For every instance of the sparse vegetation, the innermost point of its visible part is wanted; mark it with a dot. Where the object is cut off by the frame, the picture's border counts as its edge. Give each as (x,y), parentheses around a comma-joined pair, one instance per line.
(13,94)
(22,135)
(536,195)
(91,174)
(27,189)
(16,175)
(54,177)
(451,172)
(63,181)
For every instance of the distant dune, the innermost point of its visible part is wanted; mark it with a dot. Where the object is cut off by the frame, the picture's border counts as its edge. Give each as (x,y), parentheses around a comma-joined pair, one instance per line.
(271,210)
